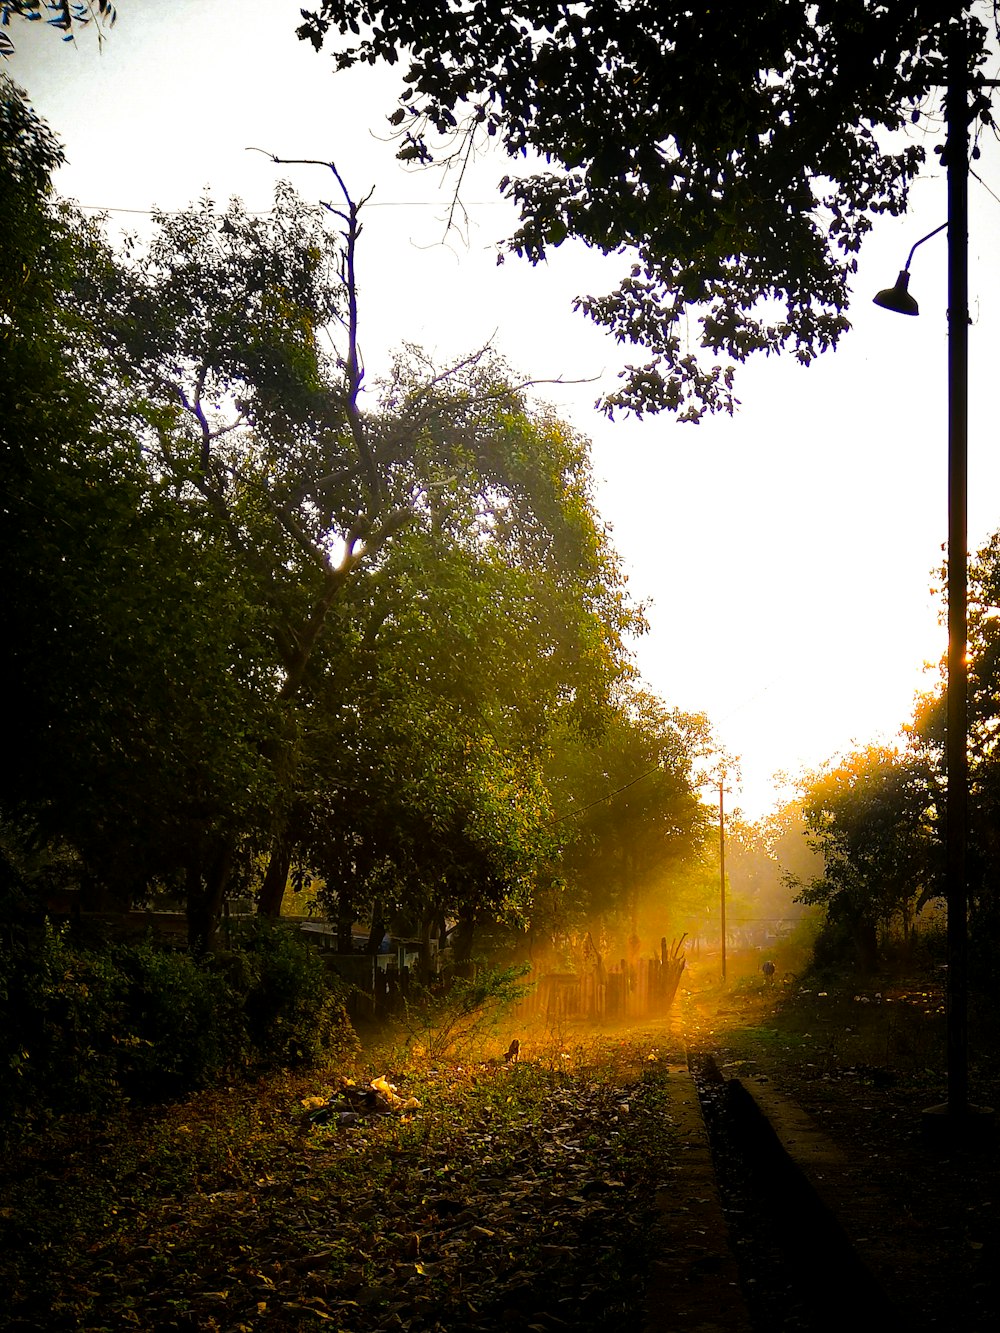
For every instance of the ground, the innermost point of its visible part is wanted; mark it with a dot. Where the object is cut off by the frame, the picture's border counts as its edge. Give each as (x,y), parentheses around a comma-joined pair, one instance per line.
(865,1061)
(529,1194)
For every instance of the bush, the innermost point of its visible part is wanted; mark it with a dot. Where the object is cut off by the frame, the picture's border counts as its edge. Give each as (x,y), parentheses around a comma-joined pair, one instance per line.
(292,1008)
(466,1012)
(61,1013)
(81,1030)
(178,1031)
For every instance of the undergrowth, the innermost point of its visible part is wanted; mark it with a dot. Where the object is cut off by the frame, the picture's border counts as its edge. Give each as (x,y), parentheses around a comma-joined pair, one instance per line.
(87,1031)
(235,1198)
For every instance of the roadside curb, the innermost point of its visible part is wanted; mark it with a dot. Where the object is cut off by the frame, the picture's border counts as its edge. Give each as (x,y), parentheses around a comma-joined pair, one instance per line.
(693,1286)
(850,1210)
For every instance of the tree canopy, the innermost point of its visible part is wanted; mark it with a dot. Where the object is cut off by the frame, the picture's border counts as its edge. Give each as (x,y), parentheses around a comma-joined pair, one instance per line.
(872,818)
(731,155)
(261,623)
(64,16)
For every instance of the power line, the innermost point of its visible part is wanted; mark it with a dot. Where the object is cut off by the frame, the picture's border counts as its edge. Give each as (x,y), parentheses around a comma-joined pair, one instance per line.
(572,814)
(265,212)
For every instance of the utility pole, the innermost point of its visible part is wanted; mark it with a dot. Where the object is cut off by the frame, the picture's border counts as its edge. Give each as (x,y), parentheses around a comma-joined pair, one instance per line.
(722,870)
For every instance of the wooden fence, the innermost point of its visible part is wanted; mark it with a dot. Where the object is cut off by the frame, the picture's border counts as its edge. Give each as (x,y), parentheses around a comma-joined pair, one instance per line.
(643,989)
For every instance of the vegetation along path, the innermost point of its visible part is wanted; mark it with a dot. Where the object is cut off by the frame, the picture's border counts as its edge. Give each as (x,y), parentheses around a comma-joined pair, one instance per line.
(572,1188)
(514,1193)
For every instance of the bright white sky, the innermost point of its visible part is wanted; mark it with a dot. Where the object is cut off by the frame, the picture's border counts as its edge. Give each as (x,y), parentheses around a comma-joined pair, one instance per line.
(787,553)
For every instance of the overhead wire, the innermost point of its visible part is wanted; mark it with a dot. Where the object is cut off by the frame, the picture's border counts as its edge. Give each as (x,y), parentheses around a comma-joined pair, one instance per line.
(264,212)
(573,814)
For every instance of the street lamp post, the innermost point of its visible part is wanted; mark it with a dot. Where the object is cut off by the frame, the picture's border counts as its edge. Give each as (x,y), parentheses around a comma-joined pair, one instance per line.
(956,738)
(956,1116)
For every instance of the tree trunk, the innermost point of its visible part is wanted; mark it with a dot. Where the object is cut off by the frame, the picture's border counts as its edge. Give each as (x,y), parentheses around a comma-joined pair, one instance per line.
(866,944)
(272,891)
(377,932)
(426,921)
(206,892)
(463,935)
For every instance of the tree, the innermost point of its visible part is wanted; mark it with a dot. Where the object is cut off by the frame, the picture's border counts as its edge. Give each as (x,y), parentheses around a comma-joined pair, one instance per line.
(65,16)
(465,645)
(134,732)
(873,820)
(630,818)
(761,901)
(263,434)
(240,593)
(928,730)
(730,154)
(227,569)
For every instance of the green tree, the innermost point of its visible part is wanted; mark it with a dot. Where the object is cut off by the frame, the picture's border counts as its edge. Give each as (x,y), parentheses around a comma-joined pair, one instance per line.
(633,826)
(292,573)
(929,732)
(469,640)
(119,623)
(872,819)
(264,434)
(730,154)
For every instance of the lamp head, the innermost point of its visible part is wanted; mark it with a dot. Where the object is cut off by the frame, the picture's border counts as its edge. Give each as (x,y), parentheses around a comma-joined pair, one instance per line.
(898,297)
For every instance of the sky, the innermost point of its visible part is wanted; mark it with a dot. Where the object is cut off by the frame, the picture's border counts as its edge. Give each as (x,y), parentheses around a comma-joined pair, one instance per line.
(786,554)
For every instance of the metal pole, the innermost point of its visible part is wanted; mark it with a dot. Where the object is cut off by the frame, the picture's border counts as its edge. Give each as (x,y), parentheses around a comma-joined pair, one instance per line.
(956,752)
(722,873)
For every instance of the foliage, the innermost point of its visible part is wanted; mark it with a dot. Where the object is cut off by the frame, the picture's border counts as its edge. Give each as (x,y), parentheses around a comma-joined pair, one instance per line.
(292,1013)
(83,1029)
(877,818)
(871,819)
(29,153)
(463,1015)
(66,16)
(258,623)
(730,155)
(631,822)
(928,732)
(761,901)
(439,557)
(138,731)
(60,1029)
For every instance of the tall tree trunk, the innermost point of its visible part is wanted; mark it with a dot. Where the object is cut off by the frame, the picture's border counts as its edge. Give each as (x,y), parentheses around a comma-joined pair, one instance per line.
(426,922)
(272,891)
(206,892)
(377,932)
(463,935)
(866,944)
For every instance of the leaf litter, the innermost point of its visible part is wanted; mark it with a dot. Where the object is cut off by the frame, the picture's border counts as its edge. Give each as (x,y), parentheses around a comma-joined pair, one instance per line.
(448,1198)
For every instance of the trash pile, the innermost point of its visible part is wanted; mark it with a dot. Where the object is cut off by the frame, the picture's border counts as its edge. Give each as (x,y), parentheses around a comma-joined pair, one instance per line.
(351,1103)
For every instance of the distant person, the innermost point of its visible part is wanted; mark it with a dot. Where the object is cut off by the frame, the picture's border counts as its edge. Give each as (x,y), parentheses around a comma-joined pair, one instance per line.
(767,967)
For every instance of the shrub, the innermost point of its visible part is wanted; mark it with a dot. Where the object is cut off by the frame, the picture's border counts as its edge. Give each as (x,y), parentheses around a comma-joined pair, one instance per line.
(60,1020)
(82,1029)
(466,1012)
(177,1031)
(292,1008)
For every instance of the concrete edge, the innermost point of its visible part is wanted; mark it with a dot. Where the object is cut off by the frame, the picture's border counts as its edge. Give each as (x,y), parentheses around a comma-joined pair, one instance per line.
(694,1286)
(840,1186)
